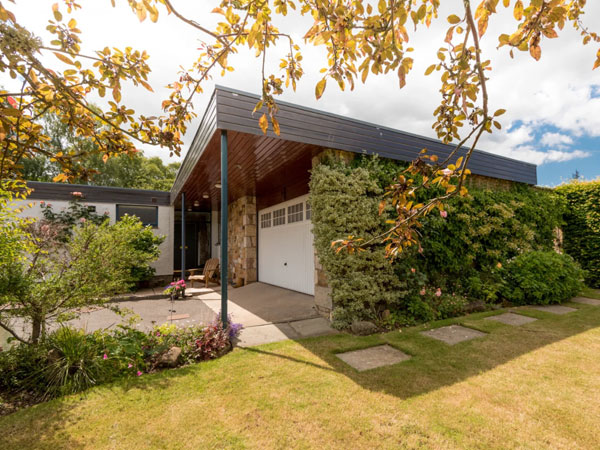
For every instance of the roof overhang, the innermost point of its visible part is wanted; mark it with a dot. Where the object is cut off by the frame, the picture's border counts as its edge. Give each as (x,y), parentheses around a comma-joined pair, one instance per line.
(259,163)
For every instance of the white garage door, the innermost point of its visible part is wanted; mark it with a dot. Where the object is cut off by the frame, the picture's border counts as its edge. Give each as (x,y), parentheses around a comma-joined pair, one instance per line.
(285,246)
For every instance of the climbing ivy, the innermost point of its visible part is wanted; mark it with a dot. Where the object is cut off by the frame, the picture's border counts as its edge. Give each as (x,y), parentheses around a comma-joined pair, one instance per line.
(461,251)
(582,226)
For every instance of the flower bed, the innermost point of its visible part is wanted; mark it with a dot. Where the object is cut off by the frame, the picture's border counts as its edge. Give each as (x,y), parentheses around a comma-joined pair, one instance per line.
(70,360)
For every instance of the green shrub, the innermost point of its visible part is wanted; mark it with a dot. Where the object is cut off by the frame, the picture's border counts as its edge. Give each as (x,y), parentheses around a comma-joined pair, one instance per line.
(461,253)
(75,363)
(582,226)
(541,278)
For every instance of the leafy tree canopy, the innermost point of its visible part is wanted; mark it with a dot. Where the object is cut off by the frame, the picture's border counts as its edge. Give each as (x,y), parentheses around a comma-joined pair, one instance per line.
(361,39)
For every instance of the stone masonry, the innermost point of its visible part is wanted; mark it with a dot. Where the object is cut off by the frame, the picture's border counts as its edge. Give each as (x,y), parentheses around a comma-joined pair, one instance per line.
(242,241)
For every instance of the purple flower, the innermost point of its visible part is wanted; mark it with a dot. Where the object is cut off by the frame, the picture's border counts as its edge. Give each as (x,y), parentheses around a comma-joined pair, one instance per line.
(105,356)
(139,373)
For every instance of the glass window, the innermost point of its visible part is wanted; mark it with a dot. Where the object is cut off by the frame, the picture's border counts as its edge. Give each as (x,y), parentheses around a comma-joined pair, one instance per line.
(265,220)
(279,217)
(147,214)
(295,213)
(308,211)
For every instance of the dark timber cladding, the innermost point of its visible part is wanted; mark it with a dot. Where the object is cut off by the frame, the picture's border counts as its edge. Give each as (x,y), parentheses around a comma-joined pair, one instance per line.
(275,168)
(310,126)
(97,194)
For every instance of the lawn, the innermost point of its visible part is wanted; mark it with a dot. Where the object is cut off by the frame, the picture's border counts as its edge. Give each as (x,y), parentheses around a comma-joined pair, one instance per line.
(591,293)
(534,386)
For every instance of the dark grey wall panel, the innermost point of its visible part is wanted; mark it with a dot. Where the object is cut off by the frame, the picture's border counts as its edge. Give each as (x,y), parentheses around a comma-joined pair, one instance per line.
(300,124)
(97,194)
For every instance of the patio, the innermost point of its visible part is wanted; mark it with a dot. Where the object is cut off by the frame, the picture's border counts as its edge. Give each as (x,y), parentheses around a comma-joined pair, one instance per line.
(268,313)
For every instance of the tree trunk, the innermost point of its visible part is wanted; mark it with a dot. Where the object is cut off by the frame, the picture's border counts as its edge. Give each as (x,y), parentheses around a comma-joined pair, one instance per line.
(36,330)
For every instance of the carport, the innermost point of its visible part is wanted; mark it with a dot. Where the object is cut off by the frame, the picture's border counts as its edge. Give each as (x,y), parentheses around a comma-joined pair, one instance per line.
(256,184)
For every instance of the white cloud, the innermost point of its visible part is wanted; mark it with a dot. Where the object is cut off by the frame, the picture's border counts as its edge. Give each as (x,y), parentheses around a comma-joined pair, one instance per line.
(557,91)
(556,139)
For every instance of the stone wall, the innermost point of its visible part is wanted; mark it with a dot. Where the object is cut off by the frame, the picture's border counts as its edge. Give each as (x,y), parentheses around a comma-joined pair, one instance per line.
(242,241)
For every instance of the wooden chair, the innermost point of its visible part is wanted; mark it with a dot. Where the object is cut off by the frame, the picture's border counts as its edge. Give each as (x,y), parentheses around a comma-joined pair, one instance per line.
(210,272)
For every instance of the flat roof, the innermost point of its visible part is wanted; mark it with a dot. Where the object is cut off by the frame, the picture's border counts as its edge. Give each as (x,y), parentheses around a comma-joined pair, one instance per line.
(232,109)
(97,194)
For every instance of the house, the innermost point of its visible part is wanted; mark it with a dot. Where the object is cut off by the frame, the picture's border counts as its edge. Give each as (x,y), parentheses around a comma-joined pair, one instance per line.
(256,207)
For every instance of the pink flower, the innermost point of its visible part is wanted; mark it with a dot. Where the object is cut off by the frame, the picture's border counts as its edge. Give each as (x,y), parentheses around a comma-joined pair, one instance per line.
(105,356)
(420,249)
(413,270)
(438,293)
(129,366)
(82,220)
(42,203)
(422,291)
(444,214)
(139,373)
(76,194)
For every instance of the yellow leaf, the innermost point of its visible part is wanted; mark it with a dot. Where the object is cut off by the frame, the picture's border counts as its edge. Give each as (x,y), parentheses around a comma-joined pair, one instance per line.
(536,52)
(263,123)
(430,69)
(518,11)
(275,125)
(320,88)
(459,161)
(63,58)
(453,19)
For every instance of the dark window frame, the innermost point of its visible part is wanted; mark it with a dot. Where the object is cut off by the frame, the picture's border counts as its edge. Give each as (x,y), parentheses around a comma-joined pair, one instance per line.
(120,205)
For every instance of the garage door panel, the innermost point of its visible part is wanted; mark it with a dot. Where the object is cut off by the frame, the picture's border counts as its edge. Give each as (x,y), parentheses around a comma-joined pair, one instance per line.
(285,250)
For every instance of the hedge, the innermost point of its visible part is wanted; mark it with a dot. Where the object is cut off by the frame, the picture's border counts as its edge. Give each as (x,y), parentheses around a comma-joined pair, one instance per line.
(461,254)
(581,232)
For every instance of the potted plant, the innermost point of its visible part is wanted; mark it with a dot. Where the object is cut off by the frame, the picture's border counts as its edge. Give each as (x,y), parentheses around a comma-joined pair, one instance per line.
(175,289)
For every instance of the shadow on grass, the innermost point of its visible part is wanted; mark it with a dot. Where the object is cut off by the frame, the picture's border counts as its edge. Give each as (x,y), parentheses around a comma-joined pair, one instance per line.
(434,364)
(45,428)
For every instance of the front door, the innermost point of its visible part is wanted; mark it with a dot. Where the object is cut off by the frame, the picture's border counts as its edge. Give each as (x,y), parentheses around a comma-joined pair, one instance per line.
(191,246)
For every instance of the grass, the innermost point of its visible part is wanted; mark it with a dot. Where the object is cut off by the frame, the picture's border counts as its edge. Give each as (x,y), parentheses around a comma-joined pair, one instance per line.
(591,293)
(533,386)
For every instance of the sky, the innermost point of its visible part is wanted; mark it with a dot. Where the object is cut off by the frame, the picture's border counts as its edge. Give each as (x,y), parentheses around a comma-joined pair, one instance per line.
(553,105)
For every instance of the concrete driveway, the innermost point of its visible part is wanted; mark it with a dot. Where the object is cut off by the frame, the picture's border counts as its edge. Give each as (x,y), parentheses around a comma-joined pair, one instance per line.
(268,313)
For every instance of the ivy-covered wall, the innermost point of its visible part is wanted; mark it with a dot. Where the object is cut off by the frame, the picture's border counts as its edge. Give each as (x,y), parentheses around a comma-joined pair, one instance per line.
(581,232)
(460,255)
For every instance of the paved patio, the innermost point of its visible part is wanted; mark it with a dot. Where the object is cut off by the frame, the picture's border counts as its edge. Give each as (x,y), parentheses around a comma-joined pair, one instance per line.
(268,313)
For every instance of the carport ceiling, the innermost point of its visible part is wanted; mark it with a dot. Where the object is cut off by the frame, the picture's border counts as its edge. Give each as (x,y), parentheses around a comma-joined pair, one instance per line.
(270,168)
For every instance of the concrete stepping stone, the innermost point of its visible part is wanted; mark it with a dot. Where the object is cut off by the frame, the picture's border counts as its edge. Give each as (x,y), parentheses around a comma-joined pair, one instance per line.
(373,357)
(554,309)
(266,334)
(511,319)
(586,301)
(317,326)
(453,334)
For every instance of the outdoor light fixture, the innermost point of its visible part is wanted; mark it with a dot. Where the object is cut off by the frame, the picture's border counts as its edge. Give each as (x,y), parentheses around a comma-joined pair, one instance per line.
(218,185)
(205,195)
(196,203)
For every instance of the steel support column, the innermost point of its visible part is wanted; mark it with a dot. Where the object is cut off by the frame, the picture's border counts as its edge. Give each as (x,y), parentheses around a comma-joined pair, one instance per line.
(224,220)
(183,240)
